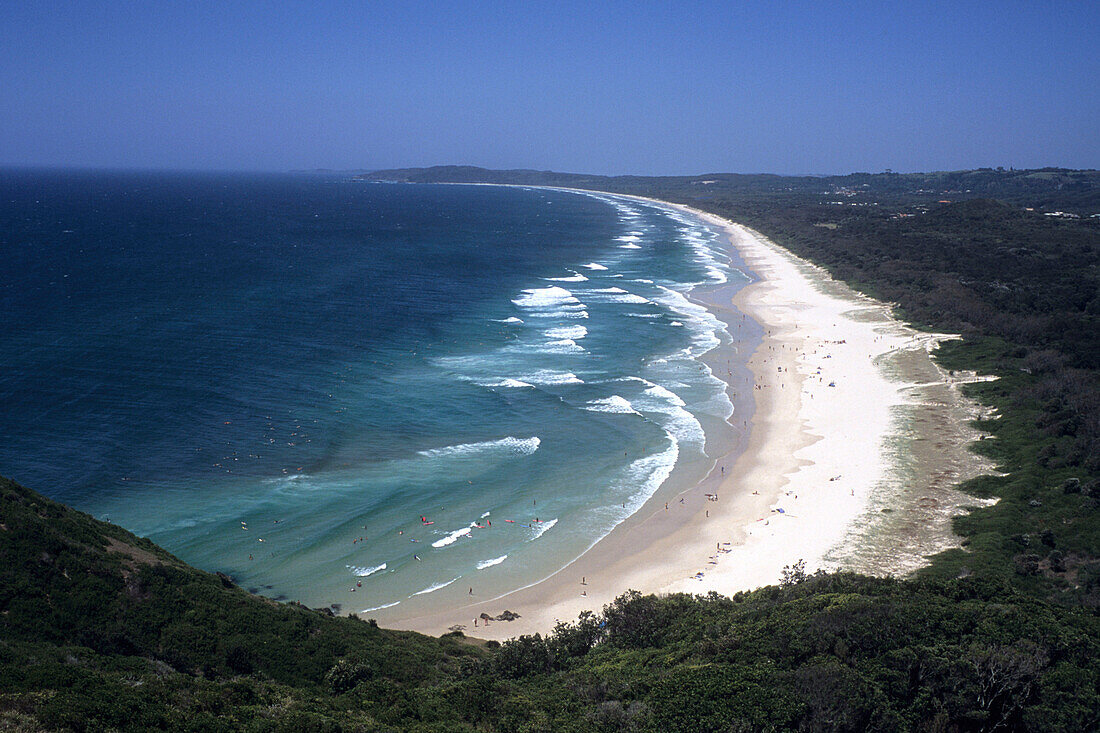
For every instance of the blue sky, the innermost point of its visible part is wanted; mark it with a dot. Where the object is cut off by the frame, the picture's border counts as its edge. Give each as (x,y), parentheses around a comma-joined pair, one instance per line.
(601,87)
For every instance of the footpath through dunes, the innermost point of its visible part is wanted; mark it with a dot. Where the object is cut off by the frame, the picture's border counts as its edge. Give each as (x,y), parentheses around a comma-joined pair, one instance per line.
(857,441)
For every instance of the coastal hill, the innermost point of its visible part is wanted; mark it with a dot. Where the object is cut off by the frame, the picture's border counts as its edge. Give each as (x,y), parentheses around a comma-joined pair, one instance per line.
(1045,188)
(101,630)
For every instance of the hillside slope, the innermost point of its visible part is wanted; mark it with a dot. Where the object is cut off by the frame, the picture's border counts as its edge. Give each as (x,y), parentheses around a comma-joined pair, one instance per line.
(101,630)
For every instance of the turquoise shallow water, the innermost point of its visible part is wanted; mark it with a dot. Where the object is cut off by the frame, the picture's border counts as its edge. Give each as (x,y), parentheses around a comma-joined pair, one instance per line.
(351,393)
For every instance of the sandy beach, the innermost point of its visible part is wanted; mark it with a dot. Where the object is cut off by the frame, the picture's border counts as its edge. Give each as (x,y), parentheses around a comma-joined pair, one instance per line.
(855,442)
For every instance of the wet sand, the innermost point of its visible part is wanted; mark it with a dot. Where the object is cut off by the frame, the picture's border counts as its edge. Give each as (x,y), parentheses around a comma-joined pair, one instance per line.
(842,415)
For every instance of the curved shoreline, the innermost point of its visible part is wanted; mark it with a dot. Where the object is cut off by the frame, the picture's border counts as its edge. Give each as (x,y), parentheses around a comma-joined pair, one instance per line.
(812,469)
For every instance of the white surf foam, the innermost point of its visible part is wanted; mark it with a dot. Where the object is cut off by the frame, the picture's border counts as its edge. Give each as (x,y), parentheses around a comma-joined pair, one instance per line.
(665,394)
(567,332)
(521,446)
(510,319)
(594,266)
(616,295)
(434,587)
(490,563)
(576,277)
(549,376)
(566,311)
(704,326)
(562,346)
(629,246)
(649,472)
(678,421)
(379,608)
(541,528)
(614,403)
(627,298)
(453,537)
(363,572)
(553,296)
(512,383)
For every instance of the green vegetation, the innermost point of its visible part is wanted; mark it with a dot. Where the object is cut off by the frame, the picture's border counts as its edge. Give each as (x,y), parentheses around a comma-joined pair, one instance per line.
(957,252)
(101,630)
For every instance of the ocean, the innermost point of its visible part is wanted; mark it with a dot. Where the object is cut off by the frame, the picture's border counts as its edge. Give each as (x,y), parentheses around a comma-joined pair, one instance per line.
(356,395)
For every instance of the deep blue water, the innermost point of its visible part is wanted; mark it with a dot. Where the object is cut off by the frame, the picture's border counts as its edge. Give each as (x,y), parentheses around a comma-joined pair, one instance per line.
(296,369)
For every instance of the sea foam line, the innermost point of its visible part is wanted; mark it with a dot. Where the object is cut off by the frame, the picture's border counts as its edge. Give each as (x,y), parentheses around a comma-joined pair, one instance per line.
(549,377)
(521,446)
(541,529)
(512,383)
(650,472)
(379,608)
(576,277)
(614,403)
(545,297)
(453,536)
(490,563)
(434,587)
(647,474)
(567,332)
(363,572)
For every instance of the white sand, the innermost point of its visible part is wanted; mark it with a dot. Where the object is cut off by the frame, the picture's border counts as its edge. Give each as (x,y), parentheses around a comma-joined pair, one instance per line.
(830,423)
(827,399)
